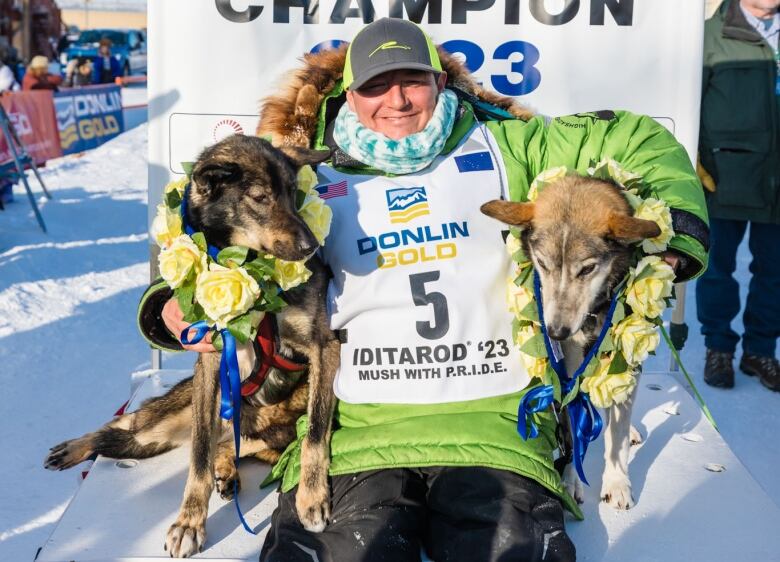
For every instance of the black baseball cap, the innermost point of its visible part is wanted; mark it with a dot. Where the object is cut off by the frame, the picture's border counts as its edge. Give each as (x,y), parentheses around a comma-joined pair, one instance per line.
(388,44)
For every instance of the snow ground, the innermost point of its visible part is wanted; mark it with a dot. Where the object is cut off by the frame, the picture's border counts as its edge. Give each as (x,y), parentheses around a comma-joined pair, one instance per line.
(68,340)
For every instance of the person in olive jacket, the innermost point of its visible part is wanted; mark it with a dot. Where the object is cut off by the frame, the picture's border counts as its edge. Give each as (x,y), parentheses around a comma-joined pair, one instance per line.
(738,145)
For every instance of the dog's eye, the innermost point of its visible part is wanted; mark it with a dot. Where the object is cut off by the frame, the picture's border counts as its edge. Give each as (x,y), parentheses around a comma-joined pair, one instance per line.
(587,270)
(541,264)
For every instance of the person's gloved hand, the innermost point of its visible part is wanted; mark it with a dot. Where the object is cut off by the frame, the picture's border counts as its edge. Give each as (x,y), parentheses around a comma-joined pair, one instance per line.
(704,176)
(174,321)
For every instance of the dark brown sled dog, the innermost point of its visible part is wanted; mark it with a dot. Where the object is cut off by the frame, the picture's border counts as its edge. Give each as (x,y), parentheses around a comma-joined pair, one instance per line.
(242,194)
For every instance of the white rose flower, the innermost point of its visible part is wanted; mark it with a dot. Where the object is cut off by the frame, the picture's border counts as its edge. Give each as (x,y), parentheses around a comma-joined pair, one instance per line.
(604,389)
(307,179)
(647,295)
(289,274)
(657,211)
(166,226)
(225,293)
(317,216)
(548,176)
(179,259)
(637,337)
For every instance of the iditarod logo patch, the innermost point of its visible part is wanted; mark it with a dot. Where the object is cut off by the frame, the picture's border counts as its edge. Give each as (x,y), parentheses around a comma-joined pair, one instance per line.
(406,204)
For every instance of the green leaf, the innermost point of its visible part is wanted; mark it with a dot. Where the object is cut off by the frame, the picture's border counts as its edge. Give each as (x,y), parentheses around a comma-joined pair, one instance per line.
(572,393)
(607,344)
(528,281)
(556,384)
(534,347)
(185,295)
(232,256)
(241,328)
(620,313)
(519,256)
(619,365)
(591,368)
(216,340)
(200,241)
(300,197)
(523,277)
(173,199)
(187,167)
(261,268)
(530,311)
(272,301)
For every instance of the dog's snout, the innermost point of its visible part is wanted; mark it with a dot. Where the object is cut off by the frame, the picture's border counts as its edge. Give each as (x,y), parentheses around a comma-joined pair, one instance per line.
(307,247)
(558,332)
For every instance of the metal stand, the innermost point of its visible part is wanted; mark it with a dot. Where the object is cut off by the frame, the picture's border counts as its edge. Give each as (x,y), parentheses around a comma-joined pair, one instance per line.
(21,159)
(678,319)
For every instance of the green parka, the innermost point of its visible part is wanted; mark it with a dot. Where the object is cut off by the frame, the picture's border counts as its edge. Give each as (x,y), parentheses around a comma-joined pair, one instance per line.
(484,432)
(740,119)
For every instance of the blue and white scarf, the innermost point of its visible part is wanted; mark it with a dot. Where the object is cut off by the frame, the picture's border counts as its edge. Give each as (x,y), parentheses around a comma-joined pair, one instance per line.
(404,156)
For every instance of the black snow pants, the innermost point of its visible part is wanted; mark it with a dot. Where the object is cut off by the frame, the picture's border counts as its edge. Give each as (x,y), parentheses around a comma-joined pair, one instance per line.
(468,514)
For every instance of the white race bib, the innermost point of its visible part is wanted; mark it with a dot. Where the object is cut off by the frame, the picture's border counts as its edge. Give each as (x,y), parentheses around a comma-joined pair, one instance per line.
(420,282)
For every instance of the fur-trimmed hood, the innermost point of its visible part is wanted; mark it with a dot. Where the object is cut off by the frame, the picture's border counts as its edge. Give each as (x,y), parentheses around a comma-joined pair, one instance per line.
(290,116)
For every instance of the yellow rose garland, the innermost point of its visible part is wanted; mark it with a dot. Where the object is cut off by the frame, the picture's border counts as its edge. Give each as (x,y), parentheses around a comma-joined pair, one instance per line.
(609,378)
(227,290)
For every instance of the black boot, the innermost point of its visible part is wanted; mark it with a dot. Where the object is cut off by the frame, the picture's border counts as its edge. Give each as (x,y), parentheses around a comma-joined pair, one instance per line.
(718,369)
(766,368)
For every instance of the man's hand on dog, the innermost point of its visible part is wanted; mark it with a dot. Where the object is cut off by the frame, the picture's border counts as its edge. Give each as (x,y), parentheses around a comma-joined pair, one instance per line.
(174,321)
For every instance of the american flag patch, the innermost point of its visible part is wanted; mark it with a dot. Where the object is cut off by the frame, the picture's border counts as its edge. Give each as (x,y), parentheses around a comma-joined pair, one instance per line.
(330,190)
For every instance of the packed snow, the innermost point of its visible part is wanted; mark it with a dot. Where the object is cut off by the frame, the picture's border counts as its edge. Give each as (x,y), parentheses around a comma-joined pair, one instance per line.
(68,340)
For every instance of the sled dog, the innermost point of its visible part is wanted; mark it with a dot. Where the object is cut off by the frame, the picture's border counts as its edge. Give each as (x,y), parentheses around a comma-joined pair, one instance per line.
(242,193)
(577,235)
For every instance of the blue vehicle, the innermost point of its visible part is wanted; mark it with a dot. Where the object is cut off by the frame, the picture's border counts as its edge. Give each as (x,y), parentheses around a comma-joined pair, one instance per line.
(128,48)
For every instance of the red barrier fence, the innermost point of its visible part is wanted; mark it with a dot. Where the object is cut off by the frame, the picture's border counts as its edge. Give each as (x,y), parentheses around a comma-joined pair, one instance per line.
(32,114)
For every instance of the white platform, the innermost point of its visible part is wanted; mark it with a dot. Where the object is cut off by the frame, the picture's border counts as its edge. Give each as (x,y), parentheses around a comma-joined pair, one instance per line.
(684,513)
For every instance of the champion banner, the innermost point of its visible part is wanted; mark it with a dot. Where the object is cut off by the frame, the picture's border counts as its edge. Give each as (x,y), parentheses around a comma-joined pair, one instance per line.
(88,117)
(32,115)
(557,56)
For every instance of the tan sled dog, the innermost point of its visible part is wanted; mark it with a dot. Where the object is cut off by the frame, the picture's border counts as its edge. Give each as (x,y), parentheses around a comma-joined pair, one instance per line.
(242,193)
(577,234)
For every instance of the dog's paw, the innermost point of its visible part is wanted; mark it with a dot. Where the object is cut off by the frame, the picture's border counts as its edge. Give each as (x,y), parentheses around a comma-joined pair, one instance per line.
(616,491)
(573,484)
(634,436)
(313,507)
(185,538)
(67,454)
(227,481)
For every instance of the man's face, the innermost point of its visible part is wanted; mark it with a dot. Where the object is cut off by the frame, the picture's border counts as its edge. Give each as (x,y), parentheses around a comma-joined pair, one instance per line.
(104,50)
(398,103)
(761,8)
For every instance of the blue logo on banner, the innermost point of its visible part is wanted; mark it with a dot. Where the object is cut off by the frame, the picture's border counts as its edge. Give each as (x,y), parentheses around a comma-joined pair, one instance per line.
(474,162)
(88,117)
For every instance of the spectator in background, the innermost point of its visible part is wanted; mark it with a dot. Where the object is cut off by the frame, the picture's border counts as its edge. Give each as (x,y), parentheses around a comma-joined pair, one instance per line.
(79,72)
(37,76)
(8,81)
(107,68)
(740,131)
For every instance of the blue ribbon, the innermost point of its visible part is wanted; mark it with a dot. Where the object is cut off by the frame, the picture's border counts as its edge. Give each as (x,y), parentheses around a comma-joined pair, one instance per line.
(535,400)
(230,391)
(586,422)
(212,251)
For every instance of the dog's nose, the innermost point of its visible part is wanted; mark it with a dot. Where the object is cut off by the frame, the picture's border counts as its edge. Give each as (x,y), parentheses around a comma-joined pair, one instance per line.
(307,247)
(558,332)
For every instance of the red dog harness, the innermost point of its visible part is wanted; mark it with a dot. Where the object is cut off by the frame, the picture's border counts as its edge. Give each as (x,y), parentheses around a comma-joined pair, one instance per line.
(268,357)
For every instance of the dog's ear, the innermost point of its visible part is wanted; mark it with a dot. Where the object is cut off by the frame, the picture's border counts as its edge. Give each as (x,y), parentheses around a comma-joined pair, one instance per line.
(302,156)
(212,176)
(516,214)
(625,227)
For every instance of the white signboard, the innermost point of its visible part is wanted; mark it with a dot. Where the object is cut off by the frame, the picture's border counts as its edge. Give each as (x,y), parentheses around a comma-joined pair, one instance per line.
(211,61)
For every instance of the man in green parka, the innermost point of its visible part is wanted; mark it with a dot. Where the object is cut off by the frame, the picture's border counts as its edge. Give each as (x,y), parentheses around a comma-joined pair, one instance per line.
(738,145)
(434,461)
